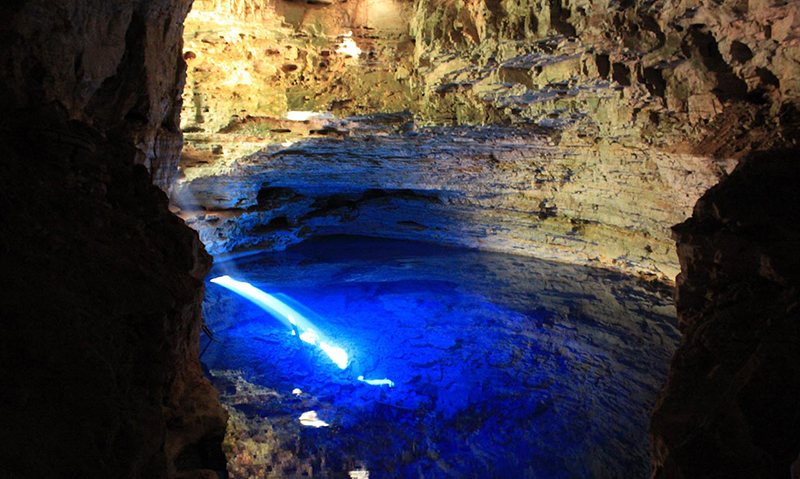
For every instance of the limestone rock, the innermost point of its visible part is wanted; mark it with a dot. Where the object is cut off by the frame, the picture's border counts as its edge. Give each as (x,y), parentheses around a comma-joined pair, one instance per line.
(692,76)
(103,285)
(492,188)
(647,93)
(251,58)
(730,404)
(111,66)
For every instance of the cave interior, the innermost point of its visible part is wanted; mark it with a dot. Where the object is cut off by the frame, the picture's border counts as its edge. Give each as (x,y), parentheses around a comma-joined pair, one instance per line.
(545,239)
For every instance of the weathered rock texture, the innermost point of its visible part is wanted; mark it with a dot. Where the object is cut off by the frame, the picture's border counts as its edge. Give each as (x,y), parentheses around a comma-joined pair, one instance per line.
(100,303)
(259,58)
(102,285)
(714,77)
(637,97)
(730,406)
(250,62)
(493,188)
(618,91)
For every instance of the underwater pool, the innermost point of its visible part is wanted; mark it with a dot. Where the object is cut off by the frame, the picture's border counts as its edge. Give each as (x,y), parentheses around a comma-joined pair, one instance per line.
(484,365)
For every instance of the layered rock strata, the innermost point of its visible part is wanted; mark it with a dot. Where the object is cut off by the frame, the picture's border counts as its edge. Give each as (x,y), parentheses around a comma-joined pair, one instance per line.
(493,188)
(715,78)
(641,91)
(102,292)
(718,78)
(103,311)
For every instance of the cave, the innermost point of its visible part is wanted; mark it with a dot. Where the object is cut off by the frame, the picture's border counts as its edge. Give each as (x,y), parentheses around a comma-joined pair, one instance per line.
(400,238)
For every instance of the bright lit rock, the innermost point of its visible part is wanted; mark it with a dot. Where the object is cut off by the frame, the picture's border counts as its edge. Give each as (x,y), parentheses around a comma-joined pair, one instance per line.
(493,188)
(311,419)
(628,105)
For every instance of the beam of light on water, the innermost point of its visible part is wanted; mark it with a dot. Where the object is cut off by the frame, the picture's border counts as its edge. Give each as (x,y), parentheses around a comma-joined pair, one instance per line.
(337,355)
(266,301)
(377,382)
(310,337)
(286,314)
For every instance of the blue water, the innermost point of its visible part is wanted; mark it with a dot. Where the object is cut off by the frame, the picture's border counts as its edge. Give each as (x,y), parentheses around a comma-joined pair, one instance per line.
(503,366)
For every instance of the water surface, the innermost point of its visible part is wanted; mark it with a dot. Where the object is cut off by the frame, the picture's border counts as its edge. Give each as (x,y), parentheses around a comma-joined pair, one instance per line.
(503,366)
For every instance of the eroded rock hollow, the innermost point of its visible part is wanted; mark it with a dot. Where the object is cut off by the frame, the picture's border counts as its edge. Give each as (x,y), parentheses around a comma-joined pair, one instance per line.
(578,131)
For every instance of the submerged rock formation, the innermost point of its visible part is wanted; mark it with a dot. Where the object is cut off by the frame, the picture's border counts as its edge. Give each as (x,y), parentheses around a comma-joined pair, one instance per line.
(103,286)
(503,366)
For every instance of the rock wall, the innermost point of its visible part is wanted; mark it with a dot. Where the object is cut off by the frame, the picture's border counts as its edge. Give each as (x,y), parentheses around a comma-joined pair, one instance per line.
(493,188)
(103,286)
(648,102)
(101,298)
(264,59)
(250,62)
(623,93)
(730,407)
(718,78)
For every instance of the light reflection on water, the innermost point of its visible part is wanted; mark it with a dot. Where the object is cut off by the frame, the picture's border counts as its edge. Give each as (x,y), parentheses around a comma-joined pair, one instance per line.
(502,366)
(282,312)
